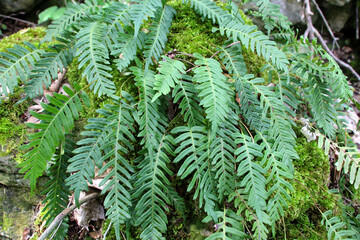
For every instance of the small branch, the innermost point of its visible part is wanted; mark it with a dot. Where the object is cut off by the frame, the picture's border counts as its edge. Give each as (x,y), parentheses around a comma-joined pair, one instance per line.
(326,23)
(64,213)
(340,62)
(357,21)
(18,19)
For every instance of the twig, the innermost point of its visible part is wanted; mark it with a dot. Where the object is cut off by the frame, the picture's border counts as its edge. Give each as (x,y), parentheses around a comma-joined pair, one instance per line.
(312,32)
(340,62)
(18,19)
(64,213)
(326,24)
(308,13)
(107,230)
(357,20)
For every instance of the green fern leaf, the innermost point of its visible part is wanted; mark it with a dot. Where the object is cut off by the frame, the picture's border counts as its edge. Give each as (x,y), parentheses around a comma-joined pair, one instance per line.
(82,165)
(222,154)
(72,15)
(228,227)
(142,10)
(47,68)
(170,71)
(336,228)
(151,188)
(17,63)
(252,174)
(117,181)
(194,152)
(257,42)
(210,10)
(272,16)
(57,193)
(152,118)
(214,90)
(117,15)
(127,46)
(155,43)
(56,122)
(93,54)
(189,104)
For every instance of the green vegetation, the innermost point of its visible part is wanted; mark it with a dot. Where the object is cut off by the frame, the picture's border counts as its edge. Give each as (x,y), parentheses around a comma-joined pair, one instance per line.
(206,131)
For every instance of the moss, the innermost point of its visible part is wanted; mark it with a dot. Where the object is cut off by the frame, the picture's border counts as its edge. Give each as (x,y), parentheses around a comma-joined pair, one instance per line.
(33,35)
(302,218)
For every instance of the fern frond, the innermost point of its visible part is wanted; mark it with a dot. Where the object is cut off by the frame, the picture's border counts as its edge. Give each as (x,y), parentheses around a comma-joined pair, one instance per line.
(280,127)
(117,15)
(322,106)
(152,118)
(151,188)
(279,187)
(228,227)
(336,228)
(170,71)
(126,47)
(214,90)
(56,122)
(257,42)
(47,68)
(93,54)
(142,10)
(117,180)
(155,43)
(223,159)
(17,63)
(72,15)
(272,16)
(189,104)
(210,10)
(87,155)
(57,193)
(176,200)
(194,152)
(252,177)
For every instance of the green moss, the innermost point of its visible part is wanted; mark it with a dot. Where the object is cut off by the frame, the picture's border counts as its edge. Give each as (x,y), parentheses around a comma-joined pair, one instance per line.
(33,35)
(302,218)
(189,34)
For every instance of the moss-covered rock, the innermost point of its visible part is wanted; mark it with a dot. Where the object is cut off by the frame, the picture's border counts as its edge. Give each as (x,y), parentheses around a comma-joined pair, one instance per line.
(311,194)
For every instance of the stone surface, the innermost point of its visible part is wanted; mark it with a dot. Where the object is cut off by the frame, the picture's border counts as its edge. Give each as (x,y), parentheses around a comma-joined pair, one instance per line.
(338,16)
(12,6)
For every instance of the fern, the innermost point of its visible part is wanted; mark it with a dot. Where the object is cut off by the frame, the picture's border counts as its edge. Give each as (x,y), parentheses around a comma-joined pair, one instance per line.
(229,227)
(56,122)
(117,181)
(170,72)
(213,90)
(335,227)
(152,184)
(142,10)
(17,63)
(73,14)
(57,193)
(48,67)
(155,44)
(205,121)
(94,54)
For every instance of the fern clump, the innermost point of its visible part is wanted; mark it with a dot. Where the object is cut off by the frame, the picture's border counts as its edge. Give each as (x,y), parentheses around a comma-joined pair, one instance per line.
(233,145)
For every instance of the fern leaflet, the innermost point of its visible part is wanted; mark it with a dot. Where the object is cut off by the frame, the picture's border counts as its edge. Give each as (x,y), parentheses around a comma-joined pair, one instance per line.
(155,43)
(56,122)
(17,63)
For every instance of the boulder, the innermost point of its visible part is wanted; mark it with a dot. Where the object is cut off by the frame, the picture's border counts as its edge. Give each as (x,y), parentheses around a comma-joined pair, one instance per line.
(12,6)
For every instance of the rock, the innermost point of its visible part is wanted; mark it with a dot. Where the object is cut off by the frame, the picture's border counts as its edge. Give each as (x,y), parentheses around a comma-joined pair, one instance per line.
(339,3)
(338,16)
(293,9)
(9,173)
(12,6)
